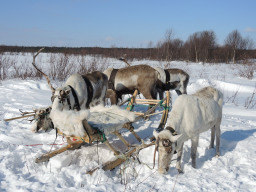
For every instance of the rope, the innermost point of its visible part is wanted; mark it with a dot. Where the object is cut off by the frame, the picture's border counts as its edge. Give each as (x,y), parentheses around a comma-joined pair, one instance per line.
(103,136)
(175,182)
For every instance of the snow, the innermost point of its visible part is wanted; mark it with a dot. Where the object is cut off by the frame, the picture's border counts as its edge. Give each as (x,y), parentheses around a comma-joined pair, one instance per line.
(234,170)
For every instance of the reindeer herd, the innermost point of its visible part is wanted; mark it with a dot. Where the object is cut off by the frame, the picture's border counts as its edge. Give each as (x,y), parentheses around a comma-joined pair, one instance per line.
(190,114)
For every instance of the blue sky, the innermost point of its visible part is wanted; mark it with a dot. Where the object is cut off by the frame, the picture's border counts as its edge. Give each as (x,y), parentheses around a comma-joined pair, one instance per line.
(130,23)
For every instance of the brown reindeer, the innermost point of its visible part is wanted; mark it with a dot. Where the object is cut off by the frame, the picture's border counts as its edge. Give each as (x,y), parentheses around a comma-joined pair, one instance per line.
(126,80)
(168,79)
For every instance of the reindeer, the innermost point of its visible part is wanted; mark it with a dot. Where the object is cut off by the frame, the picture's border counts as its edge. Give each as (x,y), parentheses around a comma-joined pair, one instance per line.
(172,79)
(127,80)
(190,116)
(42,120)
(79,91)
(168,79)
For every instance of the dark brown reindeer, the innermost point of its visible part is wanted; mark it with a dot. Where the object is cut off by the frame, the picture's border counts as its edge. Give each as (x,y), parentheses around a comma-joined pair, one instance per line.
(126,80)
(172,79)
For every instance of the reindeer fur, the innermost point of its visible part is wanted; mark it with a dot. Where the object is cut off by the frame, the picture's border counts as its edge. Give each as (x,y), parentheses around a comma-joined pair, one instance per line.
(190,116)
(141,77)
(69,121)
(107,120)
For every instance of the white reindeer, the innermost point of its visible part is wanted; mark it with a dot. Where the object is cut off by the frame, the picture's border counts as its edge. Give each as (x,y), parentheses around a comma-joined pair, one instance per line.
(81,92)
(190,116)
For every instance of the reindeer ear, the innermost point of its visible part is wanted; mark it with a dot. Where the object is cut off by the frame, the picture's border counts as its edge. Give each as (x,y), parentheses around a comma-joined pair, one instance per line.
(61,92)
(175,138)
(67,92)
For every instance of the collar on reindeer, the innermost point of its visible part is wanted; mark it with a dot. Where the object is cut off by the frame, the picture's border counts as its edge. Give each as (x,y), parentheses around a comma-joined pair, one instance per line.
(171,130)
(89,91)
(111,82)
(167,76)
(76,105)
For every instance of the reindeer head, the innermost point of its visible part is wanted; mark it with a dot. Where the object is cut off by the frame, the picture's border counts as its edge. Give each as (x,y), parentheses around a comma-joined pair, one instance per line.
(166,143)
(42,120)
(61,98)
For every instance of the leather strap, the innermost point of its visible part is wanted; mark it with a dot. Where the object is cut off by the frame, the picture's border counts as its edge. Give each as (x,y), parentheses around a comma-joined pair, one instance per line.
(89,91)
(167,84)
(111,81)
(76,105)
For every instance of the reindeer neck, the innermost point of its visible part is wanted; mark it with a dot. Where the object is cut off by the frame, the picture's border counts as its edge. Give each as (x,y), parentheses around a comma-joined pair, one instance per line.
(181,140)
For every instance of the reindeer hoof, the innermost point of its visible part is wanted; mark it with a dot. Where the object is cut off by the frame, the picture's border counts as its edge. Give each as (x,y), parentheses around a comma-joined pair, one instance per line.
(146,118)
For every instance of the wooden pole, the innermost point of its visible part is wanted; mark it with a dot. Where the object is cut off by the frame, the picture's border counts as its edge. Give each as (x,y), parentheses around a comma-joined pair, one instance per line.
(131,103)
(165,111)
(113,164)
(122,139)
(24,116)
(149,111)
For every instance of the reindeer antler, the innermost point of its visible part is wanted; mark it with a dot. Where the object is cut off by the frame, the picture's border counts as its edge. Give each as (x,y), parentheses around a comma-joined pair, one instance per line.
(26,112)
(124,60)
(47,78)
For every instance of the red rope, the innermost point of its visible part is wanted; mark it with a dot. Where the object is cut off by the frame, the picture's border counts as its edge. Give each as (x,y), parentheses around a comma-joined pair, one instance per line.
(32,145)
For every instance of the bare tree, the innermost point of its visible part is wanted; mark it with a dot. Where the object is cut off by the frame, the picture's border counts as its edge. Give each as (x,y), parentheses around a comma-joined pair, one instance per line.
(150,46)
(199,45)
(207,43)
(167,45)
(235,41)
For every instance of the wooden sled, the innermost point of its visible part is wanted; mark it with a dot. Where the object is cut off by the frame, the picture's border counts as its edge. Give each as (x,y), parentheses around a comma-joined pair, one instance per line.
(165,103)
(94,134)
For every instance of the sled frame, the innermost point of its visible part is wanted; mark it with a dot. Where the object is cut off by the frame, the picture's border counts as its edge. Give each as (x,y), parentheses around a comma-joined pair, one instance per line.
(165,103)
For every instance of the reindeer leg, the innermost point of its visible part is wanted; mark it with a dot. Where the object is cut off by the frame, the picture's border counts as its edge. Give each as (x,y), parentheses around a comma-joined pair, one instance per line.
(178,92)
(179,155)
(194,144)
(218,132)
(212,137)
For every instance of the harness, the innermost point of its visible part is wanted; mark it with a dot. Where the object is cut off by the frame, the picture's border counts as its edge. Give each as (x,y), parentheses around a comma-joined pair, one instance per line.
(111,81)
(168,83)
(89,91)
(76,105)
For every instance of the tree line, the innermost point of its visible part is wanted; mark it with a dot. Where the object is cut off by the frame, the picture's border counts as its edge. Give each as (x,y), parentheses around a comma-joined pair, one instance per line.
(199,47)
